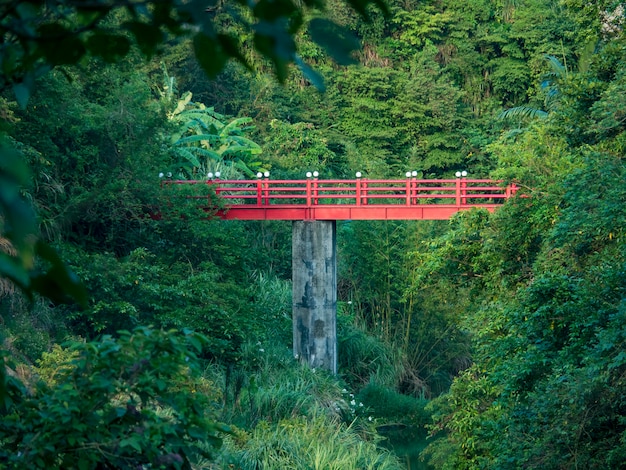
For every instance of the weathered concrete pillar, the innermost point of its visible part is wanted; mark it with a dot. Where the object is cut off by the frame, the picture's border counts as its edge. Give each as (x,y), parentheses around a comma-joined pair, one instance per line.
(314,275)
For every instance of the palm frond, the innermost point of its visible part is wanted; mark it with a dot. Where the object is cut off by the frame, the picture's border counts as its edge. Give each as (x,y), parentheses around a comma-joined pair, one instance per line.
(186,154)
(244,142)
(205,153)
(213,139)
(557,67)
(234,126)
(523,112)
(240,150)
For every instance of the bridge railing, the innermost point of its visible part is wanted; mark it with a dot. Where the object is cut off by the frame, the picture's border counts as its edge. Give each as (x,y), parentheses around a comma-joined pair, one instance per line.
(356,192)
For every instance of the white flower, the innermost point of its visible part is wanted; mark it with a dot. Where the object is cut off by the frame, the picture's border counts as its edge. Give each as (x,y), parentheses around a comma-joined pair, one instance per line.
(360,404)
(344,391)
(261,350)
(369,418)
(352,403)
(313,370)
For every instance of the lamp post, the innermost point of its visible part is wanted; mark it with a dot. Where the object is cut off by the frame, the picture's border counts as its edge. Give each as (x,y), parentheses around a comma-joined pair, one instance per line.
(461,188)
(315,186)
(360,189)
(266,187)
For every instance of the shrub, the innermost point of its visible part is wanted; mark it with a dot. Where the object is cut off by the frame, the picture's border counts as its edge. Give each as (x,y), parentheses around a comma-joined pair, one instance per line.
(128,403)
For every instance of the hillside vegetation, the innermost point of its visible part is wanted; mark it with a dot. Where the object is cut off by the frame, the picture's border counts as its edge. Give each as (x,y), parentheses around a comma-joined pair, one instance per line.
(488,341)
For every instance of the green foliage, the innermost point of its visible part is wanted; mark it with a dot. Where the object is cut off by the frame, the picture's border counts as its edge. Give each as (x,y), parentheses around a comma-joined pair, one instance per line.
(550,290)
(418,27)
(524,306)
(28,328)
(18,227)
(317,442)
(405,293)
(71,32)
(118,403)
(279,387)
(401,118)
(363,358)
(293,148)
(202,143)
(393,406)
(140,289)
(294,416)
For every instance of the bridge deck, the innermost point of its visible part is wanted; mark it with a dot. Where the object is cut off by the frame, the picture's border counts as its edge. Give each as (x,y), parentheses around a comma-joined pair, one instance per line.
(358,199)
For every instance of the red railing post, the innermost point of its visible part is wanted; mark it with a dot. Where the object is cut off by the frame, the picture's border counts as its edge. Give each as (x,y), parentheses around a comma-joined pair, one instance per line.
(315,191)
(514,189)
(364,191)
(463,191)
(408,189)
(308,192)
(458,191)
(266,192)
(358,190)
(259,187)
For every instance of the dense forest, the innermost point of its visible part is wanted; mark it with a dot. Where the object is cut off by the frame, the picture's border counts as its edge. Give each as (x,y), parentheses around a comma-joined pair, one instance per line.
(492,341)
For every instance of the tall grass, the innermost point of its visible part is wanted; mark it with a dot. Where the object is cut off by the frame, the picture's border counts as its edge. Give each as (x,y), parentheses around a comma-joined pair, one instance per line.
(276,386)
(363,357)
(317,442)
(290,416)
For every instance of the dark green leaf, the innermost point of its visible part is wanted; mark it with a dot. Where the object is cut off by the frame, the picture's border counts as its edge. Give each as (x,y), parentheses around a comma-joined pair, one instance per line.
(230,44)
(272,10)
(59,46)
(311,75)
(336,40)
(59,283)
(210,54)
(22,94)
(110,47)
(361,7)
(148,36)
(11,269)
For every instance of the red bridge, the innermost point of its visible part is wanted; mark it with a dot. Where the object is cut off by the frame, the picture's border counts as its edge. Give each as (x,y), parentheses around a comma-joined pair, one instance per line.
(357,199)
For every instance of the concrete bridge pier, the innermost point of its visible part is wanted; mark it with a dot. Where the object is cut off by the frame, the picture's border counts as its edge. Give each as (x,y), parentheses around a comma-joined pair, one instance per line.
(314,275)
